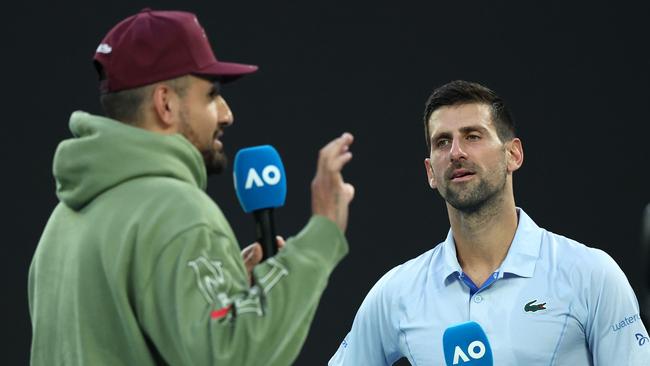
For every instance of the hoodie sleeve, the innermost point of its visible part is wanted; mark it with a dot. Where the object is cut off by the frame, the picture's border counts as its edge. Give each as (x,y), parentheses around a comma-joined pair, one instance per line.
(198,308)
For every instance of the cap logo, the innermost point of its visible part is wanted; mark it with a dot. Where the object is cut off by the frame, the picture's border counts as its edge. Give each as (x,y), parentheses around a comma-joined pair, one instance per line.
(104,48)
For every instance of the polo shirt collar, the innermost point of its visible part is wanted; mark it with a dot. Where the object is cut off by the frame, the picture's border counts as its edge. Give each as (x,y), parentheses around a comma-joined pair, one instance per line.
(520,260)
(524,250)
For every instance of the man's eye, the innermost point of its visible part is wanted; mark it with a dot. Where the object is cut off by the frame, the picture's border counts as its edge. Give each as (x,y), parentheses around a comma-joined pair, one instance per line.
(216,90)
(473,137)
(442,143)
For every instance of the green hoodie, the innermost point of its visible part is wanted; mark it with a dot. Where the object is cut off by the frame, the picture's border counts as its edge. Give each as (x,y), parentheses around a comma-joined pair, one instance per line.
(138,266)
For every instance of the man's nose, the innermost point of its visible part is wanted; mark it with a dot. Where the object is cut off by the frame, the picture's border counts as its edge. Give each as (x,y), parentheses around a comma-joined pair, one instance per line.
(457,152)
(225,114)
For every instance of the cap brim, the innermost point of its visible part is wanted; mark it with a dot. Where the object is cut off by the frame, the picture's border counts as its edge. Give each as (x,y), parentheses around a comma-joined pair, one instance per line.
(227,71)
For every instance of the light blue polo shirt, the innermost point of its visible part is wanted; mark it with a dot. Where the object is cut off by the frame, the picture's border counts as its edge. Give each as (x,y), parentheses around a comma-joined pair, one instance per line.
(553,302)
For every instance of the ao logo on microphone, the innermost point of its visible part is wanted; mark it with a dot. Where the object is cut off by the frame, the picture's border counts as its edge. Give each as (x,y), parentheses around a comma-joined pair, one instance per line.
(259,177)
(476,351)
(466,344)
(270,175)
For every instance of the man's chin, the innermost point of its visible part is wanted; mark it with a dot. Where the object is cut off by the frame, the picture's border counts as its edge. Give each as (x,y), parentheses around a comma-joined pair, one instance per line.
(215,163)
(464,201)
(471,202)
(213,170)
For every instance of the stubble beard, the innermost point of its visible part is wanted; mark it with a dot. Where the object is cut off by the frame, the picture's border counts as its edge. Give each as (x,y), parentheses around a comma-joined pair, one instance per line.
(215,161)
(480,198)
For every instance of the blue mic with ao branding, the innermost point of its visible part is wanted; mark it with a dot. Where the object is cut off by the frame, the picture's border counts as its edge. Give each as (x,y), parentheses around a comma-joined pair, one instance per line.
(261,186)
(466,344)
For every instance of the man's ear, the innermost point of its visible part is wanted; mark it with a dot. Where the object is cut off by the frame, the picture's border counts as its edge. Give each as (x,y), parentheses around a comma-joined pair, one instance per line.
(515,154)
(430,177)
(166,105)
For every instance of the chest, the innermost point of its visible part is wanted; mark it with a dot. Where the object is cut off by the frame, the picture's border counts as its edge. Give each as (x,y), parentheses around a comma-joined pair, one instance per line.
(526,322)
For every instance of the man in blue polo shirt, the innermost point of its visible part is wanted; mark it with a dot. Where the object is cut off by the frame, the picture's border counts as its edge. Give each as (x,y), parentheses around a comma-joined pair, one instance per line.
(541,298)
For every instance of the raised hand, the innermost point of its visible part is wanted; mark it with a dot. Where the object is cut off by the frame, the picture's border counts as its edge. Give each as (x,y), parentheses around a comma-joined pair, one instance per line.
(330,195)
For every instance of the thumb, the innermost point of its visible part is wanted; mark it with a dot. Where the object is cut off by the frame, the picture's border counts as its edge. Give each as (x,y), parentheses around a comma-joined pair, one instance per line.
(349,191)
(252,255)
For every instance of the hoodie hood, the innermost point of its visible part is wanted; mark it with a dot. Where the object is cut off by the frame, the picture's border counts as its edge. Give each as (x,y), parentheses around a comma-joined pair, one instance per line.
(104,153)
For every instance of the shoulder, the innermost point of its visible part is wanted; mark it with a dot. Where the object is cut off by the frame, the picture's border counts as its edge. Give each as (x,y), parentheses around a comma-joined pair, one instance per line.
(165,193)
(382,305)
(404,278)
(568,253)
(162,187)
(166,206)
(591,271)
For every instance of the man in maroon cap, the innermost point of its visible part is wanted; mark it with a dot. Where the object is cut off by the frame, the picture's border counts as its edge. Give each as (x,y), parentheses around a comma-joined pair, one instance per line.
(137,265)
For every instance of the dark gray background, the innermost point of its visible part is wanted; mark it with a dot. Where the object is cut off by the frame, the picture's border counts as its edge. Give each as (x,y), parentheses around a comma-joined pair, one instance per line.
(575,76)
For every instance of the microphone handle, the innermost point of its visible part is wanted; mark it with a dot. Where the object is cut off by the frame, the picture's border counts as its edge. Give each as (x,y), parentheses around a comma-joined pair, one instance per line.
(265,229)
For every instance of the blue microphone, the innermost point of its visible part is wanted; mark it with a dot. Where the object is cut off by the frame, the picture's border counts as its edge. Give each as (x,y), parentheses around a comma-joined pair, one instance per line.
(466,344)
(261,186)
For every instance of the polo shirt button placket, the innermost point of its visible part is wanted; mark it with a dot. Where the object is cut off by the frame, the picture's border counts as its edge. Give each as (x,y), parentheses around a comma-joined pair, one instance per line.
(478,299)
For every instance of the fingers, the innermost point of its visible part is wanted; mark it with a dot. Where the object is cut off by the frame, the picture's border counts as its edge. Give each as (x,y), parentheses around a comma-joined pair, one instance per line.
(336,153)
(331,195)
(281,242)
(340,144)
(349,191)
(336,164)
(252,255)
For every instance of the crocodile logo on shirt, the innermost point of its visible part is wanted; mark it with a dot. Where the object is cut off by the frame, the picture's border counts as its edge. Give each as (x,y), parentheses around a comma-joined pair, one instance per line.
(530,307)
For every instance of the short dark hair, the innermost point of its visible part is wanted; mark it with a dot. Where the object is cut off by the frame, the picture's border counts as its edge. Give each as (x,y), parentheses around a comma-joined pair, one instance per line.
(125,105)
(460,92)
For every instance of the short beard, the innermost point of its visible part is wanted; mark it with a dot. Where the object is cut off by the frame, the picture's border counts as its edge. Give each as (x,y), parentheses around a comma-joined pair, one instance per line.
(215,161)
(487,193)
(475,201)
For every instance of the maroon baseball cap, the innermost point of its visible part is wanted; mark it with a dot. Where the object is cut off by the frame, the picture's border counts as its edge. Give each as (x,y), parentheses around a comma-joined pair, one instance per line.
(153,46)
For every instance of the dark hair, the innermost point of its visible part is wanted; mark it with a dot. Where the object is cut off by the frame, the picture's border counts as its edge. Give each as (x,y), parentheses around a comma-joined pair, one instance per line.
(464,92)
(125,105)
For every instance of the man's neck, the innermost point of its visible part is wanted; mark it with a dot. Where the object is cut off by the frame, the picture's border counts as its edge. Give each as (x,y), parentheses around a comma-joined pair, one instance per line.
(483,237)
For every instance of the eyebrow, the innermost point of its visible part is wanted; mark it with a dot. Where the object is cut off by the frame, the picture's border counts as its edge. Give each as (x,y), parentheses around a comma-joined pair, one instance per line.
(464,130)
